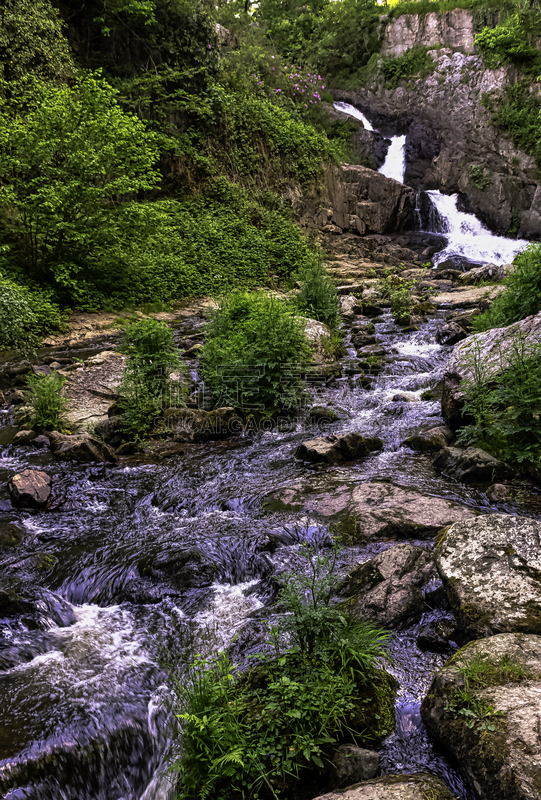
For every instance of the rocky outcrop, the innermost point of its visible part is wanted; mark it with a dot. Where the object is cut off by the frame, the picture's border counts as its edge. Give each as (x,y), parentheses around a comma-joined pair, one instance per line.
(492,351)
(472,465)
(196,425)
(336,449)
(467,297)
(359,200)
(454,29)
(30,489)
(429,441)
(387,589)
(490,725)
(419,786)
(92,388)
(369,510)
(487,272)
(351,764)
(369,147)
(81,447)
(491,568)
(448,101)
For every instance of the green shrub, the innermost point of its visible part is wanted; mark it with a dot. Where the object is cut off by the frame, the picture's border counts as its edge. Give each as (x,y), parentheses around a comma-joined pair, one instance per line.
(413,63)
(254,352)
(505,409)
(512,42)
(522,296)
(46,401)
(259,734)
(317,297)
(478,178)
(25,316)
(146,388)
(516,112)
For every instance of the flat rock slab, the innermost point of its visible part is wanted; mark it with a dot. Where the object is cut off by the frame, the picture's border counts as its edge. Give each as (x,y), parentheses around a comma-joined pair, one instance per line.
(81,447)
(30,489)
(371,510)
(336,449)
(504,763)
(466,298)
(419,786)
(491,568)
(92,389)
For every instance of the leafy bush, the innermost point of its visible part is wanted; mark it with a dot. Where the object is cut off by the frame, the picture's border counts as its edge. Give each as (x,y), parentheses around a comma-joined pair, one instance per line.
(512,42)
(413,63)
(522,296)
(505,409)
(25,315)
(146,388)
(516,113)
(317,297)
(259,734)
(46,401)
(254,352)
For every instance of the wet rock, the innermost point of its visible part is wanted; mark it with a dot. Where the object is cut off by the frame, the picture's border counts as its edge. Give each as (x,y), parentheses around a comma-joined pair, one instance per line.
(430,441)
(336,449)
(487,272)
(14,397)
(387,589)
(419,786)
(24,437)
(30,489)
(108,428)
(451,333)
(500,751)
(197,425)
(41,441)
(352,764)
(468,297)
(322,414)
(185,569)
(498,493)
(362,340)
(92,389)
(81,447)
(11,534)
(371,310)
(32,607)
(437,635)
(491,569)
(370,510)
(349,306)
(471,465)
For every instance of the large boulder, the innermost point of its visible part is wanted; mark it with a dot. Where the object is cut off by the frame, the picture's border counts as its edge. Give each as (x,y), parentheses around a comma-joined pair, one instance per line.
(467,297)
(429,441)
(81,447)
(367,511)
(30,489)
(336,449)
(471,465)
(489,722)
(196,425)
(388,588)
(487,272)
(489,353)
(419,786)
(491,568)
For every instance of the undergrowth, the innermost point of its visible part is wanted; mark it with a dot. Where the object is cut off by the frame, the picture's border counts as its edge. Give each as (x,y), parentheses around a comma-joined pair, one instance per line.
(48,406)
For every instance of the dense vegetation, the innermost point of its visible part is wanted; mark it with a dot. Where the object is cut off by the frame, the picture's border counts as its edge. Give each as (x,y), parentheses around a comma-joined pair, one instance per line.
(263,733)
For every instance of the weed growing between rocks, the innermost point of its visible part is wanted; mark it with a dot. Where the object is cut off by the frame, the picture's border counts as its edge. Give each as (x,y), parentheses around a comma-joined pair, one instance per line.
(317,297)
(48,406)
(258,734)
(147,388)
(505,408)
(254,353)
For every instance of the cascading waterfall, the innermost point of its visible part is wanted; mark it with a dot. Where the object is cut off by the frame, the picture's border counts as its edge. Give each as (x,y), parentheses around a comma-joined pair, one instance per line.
(394,165)
(346,108)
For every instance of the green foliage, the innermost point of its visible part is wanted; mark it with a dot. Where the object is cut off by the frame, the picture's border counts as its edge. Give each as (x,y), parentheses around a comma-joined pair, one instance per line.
(257,734)
(317,297)
(522,296)
(517,113)
(413,63)
(254,349)
(478,178)
(513,41)
(25,315)
(46,401)
(505,408)
(476,712)
(146,388)
(67,155)
(421,7)
(32,41)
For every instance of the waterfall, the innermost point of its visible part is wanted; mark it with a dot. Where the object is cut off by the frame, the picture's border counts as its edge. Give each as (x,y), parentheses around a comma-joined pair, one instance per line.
(346,108)
(467,237)
(394,165)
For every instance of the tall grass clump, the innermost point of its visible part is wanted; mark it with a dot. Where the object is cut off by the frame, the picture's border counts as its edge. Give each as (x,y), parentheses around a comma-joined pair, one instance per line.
(265,732)
(48,406)
(522,296)
(317,297)
(254,352)
(146,388)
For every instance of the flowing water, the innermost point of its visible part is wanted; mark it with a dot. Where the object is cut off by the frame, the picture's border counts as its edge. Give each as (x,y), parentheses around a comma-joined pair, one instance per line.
(137,565)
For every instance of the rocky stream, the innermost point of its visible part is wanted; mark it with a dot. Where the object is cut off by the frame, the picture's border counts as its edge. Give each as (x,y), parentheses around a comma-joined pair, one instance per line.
(135,564)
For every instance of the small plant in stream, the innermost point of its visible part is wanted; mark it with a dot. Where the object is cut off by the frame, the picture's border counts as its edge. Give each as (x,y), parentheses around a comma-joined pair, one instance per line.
(46,401)
(317,296)
(257,734)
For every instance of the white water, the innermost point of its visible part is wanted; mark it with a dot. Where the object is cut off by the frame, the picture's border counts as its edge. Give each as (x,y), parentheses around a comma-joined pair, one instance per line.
(394,165)
(468,237)
(346,108)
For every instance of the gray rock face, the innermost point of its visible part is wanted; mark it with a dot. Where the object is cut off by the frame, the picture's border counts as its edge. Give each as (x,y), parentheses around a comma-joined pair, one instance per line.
(351,764)
(491,568)
(493,350)
(196,425)
(370,510)
(30,489)
(24,437)
(471,465)
(336,449)
(387,589)
(487,272)
(429,441)
(504,763)
(92,388)
(419,786)
(467,297)
(80,447)
(454,28)
(449,100)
